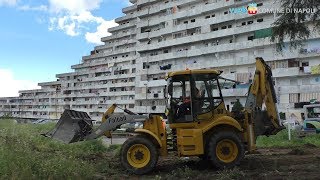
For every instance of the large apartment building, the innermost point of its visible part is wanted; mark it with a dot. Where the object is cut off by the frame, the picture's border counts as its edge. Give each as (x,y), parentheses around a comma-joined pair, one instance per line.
(158,36)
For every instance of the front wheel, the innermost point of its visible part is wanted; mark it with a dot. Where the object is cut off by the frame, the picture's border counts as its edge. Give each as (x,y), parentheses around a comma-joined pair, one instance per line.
(225,149)
(139,155)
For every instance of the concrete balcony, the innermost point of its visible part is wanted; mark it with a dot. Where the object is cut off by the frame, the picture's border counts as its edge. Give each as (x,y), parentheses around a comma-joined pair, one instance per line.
(299,89)
(103,62)
(101,78)
(130,8)
(198,11)
(64,75)
(102,86)
(202,22)
(121,42)
(140,2)
(108,54)
(118,35)
(118,93)
(186,13)
(234,92)
(124,26)
(124,50)
(149,96)
(284,72)
(154,83)
(49,83)
(128,101)
(148,109)
(231,76)
(201,37)
(124,18)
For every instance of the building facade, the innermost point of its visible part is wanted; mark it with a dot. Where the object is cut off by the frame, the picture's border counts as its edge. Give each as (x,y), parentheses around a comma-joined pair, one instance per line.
(158,36)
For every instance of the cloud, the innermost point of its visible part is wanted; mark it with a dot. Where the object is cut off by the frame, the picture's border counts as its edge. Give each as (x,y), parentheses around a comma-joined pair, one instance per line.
(12,85)
(73,6)
(8,2)
(101,31)
(74,18)
(34,8)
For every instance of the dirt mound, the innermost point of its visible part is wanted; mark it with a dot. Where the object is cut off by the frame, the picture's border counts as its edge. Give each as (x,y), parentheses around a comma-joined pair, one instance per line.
(309,145)
(297,151)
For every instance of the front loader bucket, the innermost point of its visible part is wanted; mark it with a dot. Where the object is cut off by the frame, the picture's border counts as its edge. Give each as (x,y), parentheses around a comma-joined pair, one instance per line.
(72,126)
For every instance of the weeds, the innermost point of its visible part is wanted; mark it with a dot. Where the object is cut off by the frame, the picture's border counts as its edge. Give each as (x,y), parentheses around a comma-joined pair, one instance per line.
(281,140)
(229,174)
(25,154)
(182,172)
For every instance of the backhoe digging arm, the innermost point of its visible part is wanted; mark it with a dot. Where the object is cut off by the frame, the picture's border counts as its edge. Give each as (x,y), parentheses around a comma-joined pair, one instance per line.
(111,121)
(261,108)
(75,126)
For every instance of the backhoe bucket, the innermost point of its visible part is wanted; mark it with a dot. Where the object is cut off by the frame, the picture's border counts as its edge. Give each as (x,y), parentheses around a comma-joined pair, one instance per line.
(72,126)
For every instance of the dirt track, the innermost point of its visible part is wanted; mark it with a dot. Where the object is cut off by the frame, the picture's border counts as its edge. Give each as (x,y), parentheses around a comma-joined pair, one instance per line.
(271,163)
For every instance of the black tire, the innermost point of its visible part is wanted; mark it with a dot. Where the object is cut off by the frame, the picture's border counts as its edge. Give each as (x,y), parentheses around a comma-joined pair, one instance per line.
(228,138)
(139,140)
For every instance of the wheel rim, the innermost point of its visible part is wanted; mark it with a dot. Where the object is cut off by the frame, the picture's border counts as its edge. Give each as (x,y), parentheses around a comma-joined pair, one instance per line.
(138,155)
(227,150)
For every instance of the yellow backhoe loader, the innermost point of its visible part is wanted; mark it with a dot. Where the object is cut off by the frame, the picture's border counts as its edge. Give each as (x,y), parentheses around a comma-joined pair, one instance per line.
(199,121)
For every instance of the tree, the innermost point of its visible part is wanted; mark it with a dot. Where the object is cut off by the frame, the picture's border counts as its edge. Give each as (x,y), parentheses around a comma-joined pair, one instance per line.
(292,24)
(237,107)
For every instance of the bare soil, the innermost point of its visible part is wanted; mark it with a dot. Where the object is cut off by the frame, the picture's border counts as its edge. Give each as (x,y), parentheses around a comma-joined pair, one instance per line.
(272,163)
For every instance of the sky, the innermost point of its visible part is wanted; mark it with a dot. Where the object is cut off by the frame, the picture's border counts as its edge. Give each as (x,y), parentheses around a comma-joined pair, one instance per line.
(42,38)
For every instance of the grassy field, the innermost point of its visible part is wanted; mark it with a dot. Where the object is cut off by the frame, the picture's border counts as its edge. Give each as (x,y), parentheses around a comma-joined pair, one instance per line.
(25,154)
(281,140)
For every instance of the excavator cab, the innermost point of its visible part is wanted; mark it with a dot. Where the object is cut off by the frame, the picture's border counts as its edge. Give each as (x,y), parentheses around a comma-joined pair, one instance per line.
(193,95)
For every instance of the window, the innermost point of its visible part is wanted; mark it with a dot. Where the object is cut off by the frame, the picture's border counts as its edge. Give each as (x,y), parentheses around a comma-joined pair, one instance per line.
(207,17)
(293,63)
(226,12)
(250,38)
(243,23)
(215,29)
(294,98)
(224,27)
(259,4)
(260,20)
(250,22)
(230,26)
(193,20)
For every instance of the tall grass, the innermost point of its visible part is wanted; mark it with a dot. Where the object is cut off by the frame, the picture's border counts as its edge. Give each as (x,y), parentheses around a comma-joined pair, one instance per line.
(25,154)
(282,140)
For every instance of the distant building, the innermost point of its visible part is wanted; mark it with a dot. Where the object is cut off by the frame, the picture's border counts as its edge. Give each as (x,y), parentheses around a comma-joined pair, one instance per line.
(155,37)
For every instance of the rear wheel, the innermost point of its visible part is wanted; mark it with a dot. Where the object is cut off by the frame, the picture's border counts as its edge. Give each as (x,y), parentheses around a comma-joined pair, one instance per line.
(139,155)
(225,149)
